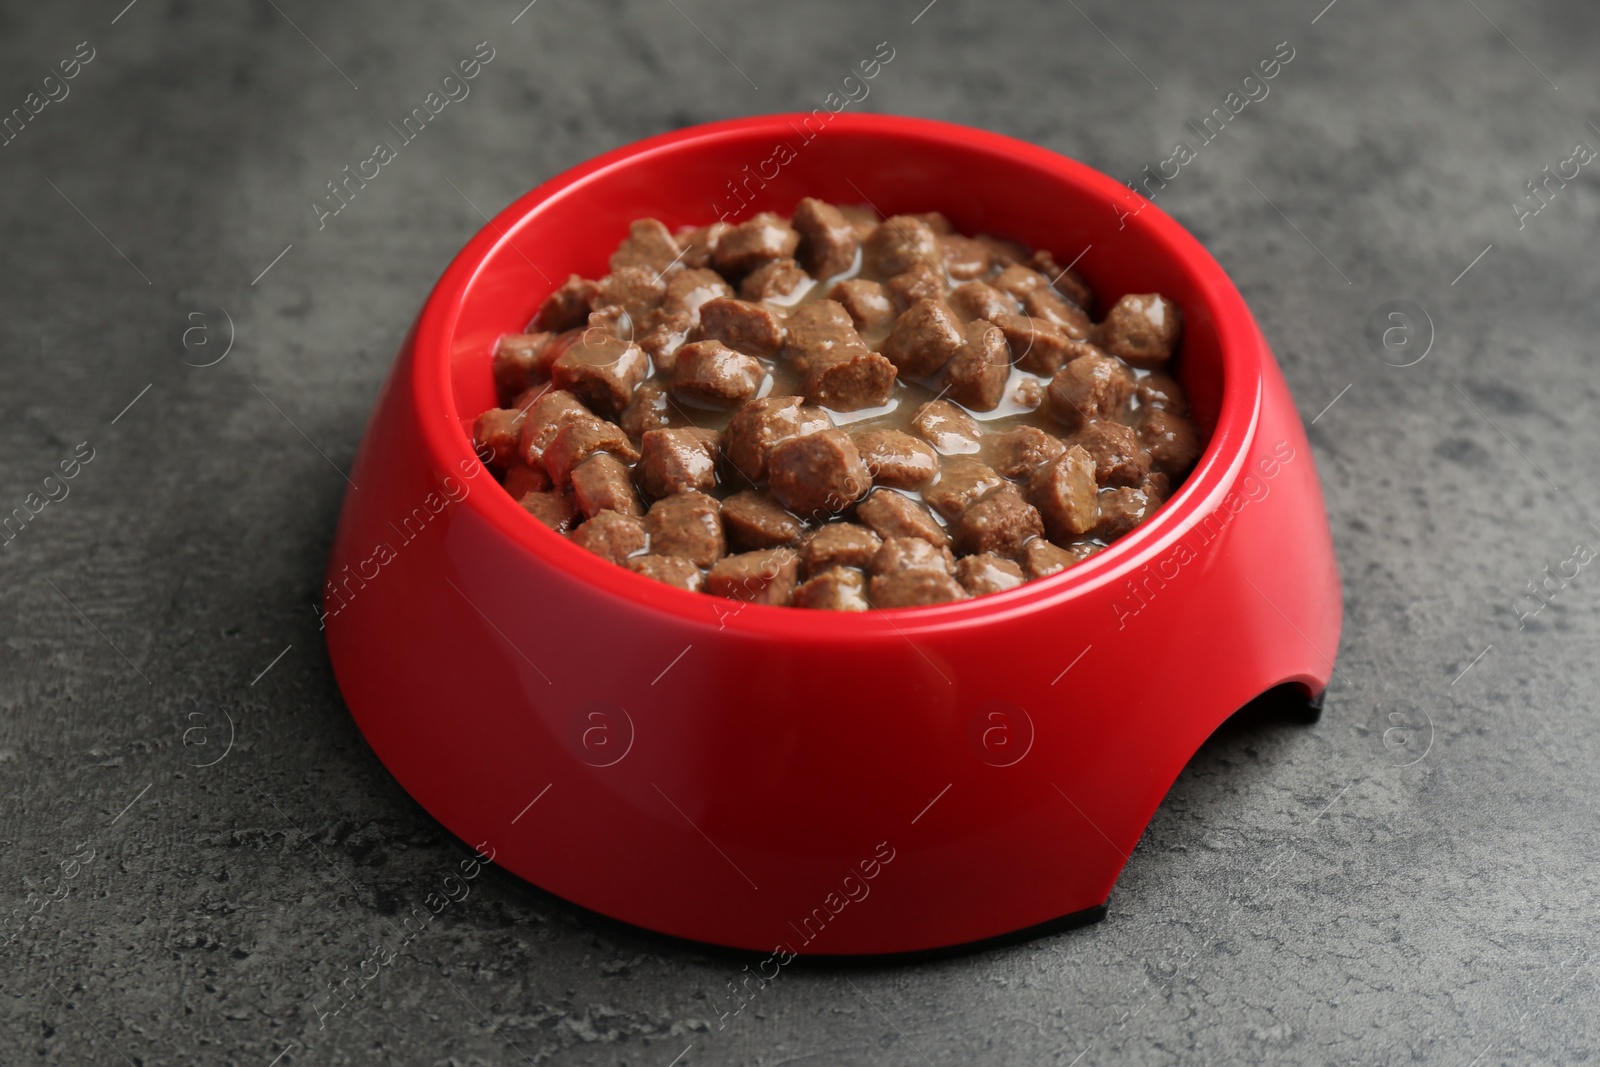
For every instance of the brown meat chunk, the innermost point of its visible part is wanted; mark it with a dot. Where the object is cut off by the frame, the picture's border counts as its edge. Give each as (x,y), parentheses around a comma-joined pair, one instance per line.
(521,479)
(1071,284)
(699,244)
(1090,387)
(818,327)
(987,573)
(1041,557)
(1121,509)
(965,258)
(920,282)
(525,399)
(555,509)
(761,425)
(835,589)
(1075,287)
(612,320)
(497,437)
(545,417)
(1019,281)
(674,570)
(897,244)
(601,371)
(752,520)
(688,525)
(1017,451)
(917,588)
(688,289)
(839,544)
(765,577)
(976,375)
(753,242)
(828,242)
(818,474)
(837,369)
(710,372)
(779,280)
(739,324)
(912,554)
(649,410)
(649,244)
(636,290)
(1044,262)
(612,536)
(604,483)
(961,482)
(866,302)
(849,379)
(937,221)
(1038,346)
(1047,305)
(946,427)
(568,307)
(1000,523)
(892,514)
(1004,252)
(580,439)
(862,218)
(1066,494)
(895,458)
(1157,489)
(1142,328)
(1157,390)
(665,338)
(677,460)
(975,300)
(1174,446)
(924,339)
(521,360)
(1119,456)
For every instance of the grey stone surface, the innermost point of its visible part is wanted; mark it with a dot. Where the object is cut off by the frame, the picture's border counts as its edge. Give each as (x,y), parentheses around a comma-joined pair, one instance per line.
(1300,896)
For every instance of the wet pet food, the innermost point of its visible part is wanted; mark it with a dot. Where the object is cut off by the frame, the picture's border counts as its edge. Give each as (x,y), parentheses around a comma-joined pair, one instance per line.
(838,411)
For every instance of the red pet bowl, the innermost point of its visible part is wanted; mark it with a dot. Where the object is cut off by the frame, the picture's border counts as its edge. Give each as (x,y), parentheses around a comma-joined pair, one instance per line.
(785,780)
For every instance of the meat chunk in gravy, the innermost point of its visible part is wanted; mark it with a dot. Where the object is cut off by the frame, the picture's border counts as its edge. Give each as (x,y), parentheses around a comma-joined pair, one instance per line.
(761,425)
(839,544)
(837,369)
(828,243)
(601,370)
(915,588)
(819,474)
(678,460)
(835,589)
(891,514)
(765,577)
(748,245)
(899,243)
(688,525)
(709,372)
(896,459)
(752,519)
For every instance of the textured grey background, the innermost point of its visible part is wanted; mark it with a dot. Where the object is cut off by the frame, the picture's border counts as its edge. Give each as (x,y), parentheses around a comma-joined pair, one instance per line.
(1301,896)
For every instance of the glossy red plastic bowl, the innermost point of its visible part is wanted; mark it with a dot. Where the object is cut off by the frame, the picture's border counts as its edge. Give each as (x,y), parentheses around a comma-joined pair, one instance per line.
(813,782)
